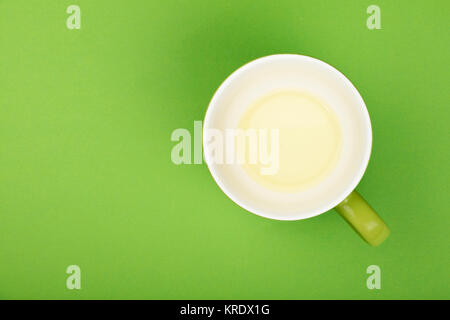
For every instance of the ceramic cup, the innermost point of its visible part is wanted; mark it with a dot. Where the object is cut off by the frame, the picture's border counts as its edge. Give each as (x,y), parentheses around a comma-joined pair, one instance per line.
(337,190)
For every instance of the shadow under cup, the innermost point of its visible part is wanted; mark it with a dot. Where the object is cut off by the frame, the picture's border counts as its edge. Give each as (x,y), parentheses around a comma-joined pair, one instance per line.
(306,74)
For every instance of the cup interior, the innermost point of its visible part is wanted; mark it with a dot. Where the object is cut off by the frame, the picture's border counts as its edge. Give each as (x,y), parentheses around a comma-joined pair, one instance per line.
(306,74)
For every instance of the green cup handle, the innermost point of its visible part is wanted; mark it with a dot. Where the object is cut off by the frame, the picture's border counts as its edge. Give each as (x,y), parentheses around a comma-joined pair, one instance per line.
(363,219)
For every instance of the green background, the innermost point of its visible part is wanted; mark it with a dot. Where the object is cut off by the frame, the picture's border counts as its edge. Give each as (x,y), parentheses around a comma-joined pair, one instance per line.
(86,176)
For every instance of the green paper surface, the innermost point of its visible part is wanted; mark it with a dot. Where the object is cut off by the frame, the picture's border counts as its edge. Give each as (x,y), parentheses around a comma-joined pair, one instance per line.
(86,176)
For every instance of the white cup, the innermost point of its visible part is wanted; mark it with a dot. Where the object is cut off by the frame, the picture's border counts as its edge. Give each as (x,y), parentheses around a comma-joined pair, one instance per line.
(307,74)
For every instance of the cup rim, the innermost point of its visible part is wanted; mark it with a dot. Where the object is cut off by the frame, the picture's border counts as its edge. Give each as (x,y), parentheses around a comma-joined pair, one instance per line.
(330,204)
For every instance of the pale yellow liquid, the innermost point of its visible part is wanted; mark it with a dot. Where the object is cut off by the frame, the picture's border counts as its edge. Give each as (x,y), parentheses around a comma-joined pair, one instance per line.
(310,139)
